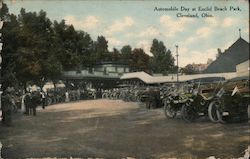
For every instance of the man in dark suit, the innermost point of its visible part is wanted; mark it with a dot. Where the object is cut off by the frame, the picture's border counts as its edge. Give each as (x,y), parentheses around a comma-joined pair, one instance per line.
(35,101)
(6,108)
(27,103)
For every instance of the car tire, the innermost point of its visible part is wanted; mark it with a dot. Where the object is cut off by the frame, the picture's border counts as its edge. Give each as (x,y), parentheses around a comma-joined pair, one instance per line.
(169,113)
(212,111)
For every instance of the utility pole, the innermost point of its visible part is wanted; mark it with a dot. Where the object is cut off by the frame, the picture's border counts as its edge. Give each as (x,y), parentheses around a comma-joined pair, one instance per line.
(177,63)
(240,33)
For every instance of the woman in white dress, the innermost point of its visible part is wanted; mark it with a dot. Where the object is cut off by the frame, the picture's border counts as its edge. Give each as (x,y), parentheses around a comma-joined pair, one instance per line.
(22,104)
(66,96)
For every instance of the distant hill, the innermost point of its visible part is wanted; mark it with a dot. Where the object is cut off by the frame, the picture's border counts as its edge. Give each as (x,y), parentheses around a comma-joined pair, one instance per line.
(235,54)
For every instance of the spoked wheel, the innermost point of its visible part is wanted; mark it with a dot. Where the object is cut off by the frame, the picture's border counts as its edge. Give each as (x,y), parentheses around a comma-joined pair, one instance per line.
(120,96)
(220,115)
(138,98)
(212,111)
(133,98)
(188,113)
(169,111)
(202,102)
(49,101)
(104,95)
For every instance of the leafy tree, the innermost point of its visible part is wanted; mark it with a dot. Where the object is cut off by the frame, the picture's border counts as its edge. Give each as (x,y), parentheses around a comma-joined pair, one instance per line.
(52,69)
(68,51)
(139,60)
(101,49)
(37,50)
(115,55)
(34,46)
(4,12)
(219,53)
(162,60)
(126,53)
(10,31)
(84,47)
(188,69)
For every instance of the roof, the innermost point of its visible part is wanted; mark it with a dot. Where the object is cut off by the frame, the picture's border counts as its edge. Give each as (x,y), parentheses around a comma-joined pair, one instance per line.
(148,79)
(237,53)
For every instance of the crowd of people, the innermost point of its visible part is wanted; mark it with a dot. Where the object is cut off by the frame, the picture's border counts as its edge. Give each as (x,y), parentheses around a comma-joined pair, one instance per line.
(26,103)
(14,101)
(10,104)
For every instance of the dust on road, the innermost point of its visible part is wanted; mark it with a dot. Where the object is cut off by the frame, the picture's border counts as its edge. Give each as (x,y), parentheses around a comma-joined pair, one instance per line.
(117,129)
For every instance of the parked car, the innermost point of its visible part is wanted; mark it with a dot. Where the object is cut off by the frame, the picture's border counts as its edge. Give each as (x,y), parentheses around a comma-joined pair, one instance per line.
(197,104)
(231,102)
(151,96)
(174,97)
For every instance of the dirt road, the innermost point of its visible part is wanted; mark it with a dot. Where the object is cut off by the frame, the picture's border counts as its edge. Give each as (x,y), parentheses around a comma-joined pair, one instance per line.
(116,129)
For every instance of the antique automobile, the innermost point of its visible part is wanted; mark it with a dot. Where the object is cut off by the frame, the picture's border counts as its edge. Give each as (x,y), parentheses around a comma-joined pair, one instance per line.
(174,100)
(197,104)
(151,96)
(231,103)
(191,98)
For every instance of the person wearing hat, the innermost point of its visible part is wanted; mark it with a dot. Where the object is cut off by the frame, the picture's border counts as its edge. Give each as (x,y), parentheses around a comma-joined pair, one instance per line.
(43,99)
(6,108)
(35,101)
(27,103)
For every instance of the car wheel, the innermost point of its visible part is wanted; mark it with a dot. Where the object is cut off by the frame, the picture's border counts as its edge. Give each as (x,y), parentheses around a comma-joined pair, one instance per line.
(212,111)
(169,111)
(188,113)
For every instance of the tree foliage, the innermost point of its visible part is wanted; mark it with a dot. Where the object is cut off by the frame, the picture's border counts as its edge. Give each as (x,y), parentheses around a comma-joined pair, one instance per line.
(126,53)
(219,53)
(188,69)
(162,60)
(38,50)
(9,54)
(139,60)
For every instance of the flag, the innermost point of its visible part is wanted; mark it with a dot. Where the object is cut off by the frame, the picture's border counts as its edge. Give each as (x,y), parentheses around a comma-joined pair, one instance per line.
(235,90)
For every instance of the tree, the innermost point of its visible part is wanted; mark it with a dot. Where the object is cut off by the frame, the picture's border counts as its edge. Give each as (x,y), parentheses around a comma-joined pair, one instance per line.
(188,69)
(101,49)
(139,60)
(115,55)
(126,53)
(37,50)
(10,31)
(35,46)
(84,47)
(66,42)
(52,69)
(162,60)
(219,53)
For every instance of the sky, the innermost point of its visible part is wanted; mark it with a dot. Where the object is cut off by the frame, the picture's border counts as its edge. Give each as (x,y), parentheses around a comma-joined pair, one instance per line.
(137,23)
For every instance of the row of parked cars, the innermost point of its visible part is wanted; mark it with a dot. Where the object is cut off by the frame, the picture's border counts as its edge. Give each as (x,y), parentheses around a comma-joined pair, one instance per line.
(225,101)
(220,100)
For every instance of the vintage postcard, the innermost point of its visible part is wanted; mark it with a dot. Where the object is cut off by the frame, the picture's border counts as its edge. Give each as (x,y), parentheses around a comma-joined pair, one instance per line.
(128,79)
